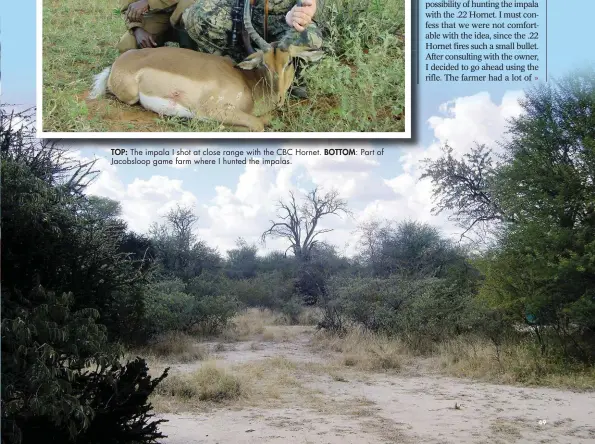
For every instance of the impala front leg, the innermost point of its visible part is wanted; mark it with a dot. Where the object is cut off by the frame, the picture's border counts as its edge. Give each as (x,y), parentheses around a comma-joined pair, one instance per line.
(266,119)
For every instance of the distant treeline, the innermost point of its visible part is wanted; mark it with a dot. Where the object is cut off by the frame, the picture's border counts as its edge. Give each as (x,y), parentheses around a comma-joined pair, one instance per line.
(78,285)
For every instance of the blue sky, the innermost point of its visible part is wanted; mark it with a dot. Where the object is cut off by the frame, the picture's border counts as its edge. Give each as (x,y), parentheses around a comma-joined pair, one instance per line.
(476,111)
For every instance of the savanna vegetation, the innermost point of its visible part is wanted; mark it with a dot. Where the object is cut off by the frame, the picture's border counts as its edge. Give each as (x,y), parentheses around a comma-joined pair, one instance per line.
(358,86)
(80,289)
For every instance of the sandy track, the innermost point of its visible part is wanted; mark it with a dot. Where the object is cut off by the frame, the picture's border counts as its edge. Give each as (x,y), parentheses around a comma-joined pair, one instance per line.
(387,408)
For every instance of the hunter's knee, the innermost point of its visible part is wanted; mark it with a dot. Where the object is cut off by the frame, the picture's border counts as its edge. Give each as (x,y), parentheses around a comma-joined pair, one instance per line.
(127,42)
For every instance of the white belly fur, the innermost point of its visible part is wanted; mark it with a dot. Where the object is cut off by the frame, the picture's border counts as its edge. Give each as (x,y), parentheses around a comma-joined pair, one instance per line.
(164,107)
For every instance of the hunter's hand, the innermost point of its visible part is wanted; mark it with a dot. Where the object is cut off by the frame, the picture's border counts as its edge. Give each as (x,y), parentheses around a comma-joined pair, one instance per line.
(136,10)
(299,17)
(144,39)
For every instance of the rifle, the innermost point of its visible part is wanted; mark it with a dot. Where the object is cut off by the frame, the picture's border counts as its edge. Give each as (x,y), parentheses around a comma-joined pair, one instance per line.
(237,21)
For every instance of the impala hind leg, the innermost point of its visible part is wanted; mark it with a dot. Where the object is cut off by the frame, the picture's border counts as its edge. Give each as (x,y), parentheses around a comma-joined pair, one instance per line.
(125,89)
(240,118)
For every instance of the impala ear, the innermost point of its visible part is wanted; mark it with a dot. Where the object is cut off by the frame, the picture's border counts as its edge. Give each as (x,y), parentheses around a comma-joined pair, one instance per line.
(306,53)
(252,61)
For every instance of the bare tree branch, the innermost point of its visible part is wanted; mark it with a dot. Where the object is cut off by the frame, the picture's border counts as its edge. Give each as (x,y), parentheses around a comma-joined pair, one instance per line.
(300,224)
(47,159)
(464,189)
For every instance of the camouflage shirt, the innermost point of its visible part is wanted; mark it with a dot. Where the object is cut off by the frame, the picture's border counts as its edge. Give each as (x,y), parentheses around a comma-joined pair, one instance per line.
(209,24)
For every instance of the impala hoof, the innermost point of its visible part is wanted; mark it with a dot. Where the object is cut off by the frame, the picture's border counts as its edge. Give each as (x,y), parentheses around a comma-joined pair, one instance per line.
(266,120)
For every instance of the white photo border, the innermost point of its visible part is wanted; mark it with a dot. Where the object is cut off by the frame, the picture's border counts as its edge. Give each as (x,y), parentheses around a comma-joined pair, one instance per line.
(222,135)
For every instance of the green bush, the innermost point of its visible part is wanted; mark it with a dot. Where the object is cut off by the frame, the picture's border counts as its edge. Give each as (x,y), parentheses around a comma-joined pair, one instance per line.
(207,284)
(53,233)
(194,307)
(292,309)
(438,312)
(267,290)
(62,380)
(168,307)
(211,314)
(421,310)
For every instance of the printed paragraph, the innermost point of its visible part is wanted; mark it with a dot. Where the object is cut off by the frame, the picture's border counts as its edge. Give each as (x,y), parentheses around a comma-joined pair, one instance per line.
(181,157)
(483,41)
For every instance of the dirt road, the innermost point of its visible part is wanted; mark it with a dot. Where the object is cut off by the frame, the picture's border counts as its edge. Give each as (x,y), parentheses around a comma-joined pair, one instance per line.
(348,406)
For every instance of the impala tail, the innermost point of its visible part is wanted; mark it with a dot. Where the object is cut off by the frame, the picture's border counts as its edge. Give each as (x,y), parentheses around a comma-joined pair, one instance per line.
(100,83)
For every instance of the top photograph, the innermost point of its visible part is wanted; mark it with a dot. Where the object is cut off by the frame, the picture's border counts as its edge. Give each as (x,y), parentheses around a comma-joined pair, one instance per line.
(194,69)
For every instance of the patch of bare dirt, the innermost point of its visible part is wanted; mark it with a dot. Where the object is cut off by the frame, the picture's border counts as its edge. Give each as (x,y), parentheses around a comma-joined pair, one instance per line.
(119,117)
(329,403)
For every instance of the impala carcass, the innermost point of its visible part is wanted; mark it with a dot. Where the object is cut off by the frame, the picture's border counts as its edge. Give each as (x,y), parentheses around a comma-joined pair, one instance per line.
(181,82)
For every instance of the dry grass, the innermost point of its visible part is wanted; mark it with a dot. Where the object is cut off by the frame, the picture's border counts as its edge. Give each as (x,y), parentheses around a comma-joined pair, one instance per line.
(284,333)
(278,381)
(267,383)
(270,379)
(266,325)
(209,383)
(310,316)
(466,357)
(260,383)
(365,351)
(517,363)
(175,347)
(248,324)
(307,316)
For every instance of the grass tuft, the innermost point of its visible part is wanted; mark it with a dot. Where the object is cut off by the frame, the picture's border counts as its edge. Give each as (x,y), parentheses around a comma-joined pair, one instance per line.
(364,350)
(209,383)
(176,346)
(265,325)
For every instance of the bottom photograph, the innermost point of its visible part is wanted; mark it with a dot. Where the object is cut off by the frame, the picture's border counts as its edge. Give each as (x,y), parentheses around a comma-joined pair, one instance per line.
(194,293)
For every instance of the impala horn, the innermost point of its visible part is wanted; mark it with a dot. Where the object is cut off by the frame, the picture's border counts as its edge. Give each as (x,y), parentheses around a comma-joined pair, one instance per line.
(252,34)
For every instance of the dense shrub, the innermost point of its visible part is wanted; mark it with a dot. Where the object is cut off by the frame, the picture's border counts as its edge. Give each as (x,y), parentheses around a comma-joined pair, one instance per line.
(194,307)
(292,309)
(208,284)
(438,311)
(168,307)
(534,202)
(431,309)
(242,262)
(62,380)
(310,282)
(212,313)
(61,376)
(53,234)
(266,290)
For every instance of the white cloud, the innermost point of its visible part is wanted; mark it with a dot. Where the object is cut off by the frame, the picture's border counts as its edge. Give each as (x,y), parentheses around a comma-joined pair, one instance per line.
(462,123)
(355,177)
(143,201)
(245,209)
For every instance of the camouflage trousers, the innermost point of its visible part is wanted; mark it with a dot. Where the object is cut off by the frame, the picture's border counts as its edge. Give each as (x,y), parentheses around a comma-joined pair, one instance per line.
(209,24)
